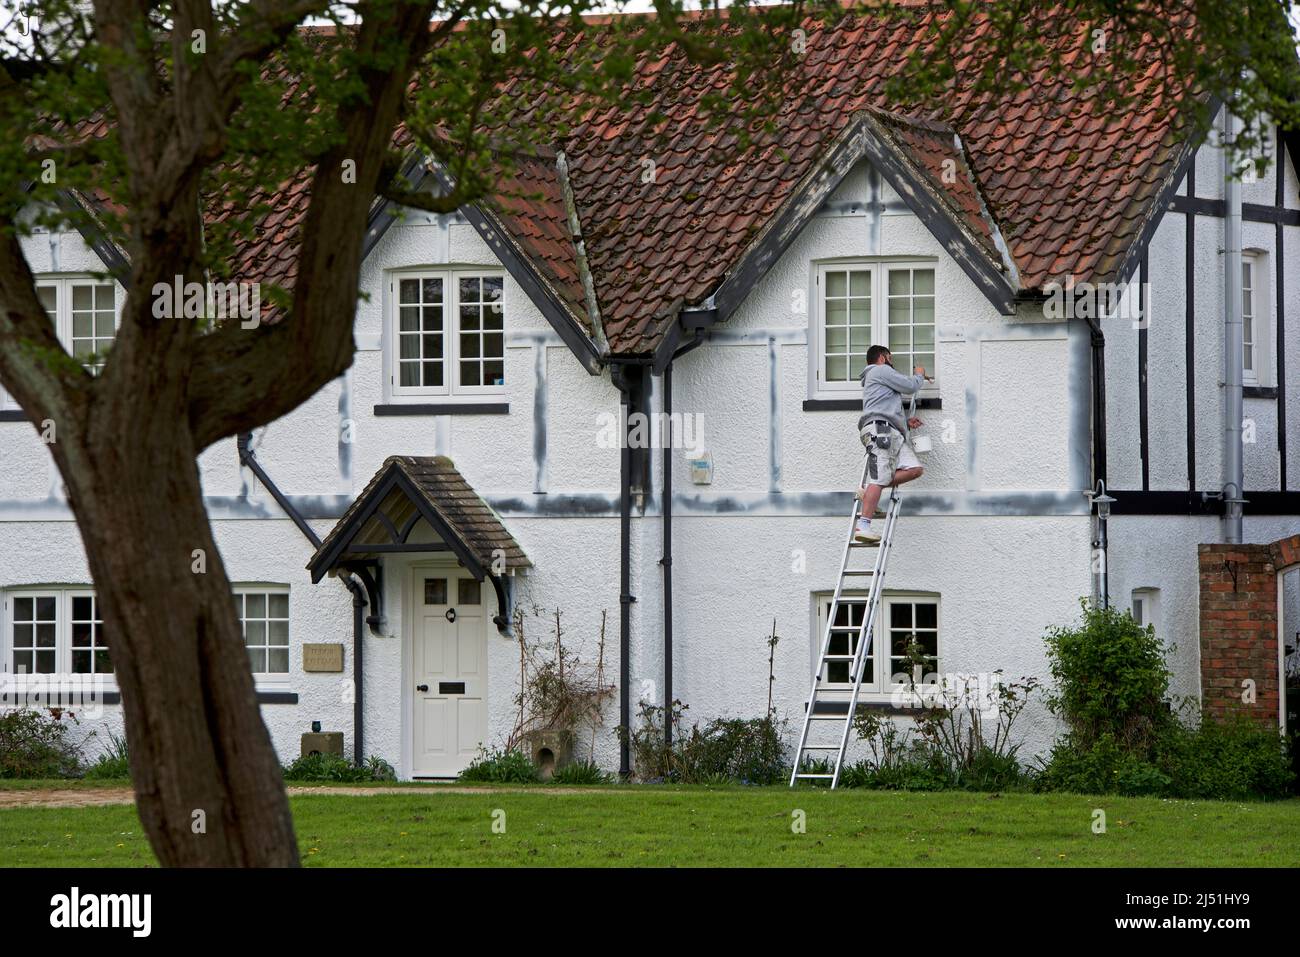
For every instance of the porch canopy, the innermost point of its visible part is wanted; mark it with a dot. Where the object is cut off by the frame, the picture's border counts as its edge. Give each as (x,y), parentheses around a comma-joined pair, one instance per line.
(420,504)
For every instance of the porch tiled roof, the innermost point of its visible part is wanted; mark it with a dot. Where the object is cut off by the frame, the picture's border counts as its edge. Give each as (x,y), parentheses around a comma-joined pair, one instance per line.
(443,491)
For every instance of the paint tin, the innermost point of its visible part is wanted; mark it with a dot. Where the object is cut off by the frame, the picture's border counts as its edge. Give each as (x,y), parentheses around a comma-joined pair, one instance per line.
(921,444)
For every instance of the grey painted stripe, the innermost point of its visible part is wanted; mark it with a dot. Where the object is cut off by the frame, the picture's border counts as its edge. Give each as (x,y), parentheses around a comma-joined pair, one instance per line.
(540,470)
(774,416)
(974,373)
(721,335)
(347,431)
(873,216)
(1079,442)
(854,209)
(598,505)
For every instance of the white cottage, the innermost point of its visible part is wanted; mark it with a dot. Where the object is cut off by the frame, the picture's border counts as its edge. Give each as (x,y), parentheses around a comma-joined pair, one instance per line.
(463,468)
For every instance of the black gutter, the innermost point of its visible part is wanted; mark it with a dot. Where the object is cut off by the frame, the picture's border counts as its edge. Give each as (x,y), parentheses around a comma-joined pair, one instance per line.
(667,560)
(249,458)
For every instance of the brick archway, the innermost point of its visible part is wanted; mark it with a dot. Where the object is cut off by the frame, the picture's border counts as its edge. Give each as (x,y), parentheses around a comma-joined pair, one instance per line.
(1239,627)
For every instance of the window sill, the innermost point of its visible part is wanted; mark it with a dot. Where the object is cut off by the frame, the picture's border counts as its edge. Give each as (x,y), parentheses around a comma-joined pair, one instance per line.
(443,408)
(263,697)
(269,696)
(1259,392)
(880,707)
(855,404)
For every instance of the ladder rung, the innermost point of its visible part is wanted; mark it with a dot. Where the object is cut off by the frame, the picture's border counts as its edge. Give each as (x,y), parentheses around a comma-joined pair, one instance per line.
(839,657)
(854,571)
(856,544)
(821,747)
(809,776)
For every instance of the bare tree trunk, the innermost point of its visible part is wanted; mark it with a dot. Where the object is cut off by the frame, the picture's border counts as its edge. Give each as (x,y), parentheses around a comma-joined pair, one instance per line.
(208,784)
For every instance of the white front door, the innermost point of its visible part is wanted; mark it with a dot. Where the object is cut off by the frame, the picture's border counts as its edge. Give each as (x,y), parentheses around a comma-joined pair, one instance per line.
(449,672)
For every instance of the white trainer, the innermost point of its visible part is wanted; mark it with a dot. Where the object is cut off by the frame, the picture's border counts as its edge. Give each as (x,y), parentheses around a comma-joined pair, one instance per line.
(864,534)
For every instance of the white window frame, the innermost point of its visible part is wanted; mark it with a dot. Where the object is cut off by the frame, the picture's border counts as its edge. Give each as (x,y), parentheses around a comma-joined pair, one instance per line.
(63,596)
(242,591)
(1258,296)
(451,389)
(882,688)
(63,285)
(880,267)
(1144,606)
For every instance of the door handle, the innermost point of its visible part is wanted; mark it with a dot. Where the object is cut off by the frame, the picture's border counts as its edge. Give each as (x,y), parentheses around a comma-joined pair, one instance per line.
(421,687)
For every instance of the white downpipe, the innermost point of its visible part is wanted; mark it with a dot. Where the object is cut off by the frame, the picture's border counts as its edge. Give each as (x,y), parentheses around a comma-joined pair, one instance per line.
(1233,471)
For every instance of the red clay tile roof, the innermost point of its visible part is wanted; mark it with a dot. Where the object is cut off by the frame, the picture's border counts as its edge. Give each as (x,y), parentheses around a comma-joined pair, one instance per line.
(1065,181)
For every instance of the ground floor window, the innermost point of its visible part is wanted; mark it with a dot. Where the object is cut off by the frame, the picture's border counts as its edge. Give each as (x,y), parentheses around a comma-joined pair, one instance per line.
(903,619)
(56,631)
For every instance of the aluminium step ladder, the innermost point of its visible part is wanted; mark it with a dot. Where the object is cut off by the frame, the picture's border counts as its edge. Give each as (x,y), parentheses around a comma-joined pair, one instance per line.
(857,656)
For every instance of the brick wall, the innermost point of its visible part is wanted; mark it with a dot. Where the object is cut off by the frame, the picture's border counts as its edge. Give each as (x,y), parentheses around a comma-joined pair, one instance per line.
(1239,627)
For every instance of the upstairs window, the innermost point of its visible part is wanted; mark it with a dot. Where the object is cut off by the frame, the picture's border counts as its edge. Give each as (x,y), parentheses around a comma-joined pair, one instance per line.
(1256,330)
(84,313)
(858,305)
(447,333)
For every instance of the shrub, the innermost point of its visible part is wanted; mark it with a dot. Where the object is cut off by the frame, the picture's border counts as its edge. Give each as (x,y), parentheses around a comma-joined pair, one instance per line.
(920,769)
(1124,738)
(1111,679)
(961,738)
(113,763)
(1227,760)
(501,767)
(581,772)
(744,750)
(34,744)
(331,767)
(1103,766)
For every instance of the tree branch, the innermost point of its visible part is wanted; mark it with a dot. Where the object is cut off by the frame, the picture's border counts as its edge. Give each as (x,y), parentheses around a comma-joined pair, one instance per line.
(245,377)
(34,367)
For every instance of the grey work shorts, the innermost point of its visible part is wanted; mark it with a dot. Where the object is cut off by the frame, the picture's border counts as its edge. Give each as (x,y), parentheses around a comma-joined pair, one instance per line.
(887,450)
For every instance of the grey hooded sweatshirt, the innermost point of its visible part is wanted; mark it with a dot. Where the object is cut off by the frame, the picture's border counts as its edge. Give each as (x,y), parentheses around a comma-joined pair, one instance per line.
(883,388)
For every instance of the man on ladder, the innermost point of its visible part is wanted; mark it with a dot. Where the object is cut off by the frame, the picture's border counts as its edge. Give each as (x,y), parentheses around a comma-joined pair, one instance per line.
(885,432)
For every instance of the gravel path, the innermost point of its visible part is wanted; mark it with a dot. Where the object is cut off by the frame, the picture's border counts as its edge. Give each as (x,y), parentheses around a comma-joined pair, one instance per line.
(94,797)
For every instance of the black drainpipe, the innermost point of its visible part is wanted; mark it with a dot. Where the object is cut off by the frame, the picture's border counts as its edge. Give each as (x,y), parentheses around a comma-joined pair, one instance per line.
(1099,449)
(624,578)
(358,616)
(249,458)
(667,560)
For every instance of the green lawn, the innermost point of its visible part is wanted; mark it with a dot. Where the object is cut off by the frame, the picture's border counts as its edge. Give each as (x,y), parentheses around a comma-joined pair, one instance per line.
(698,826)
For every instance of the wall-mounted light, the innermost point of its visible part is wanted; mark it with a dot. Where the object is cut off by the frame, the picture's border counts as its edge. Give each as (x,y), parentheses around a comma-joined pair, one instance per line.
(1102,503)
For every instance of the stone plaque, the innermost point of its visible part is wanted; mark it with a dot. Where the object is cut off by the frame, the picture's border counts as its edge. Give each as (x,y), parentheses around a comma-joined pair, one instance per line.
(326,657)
